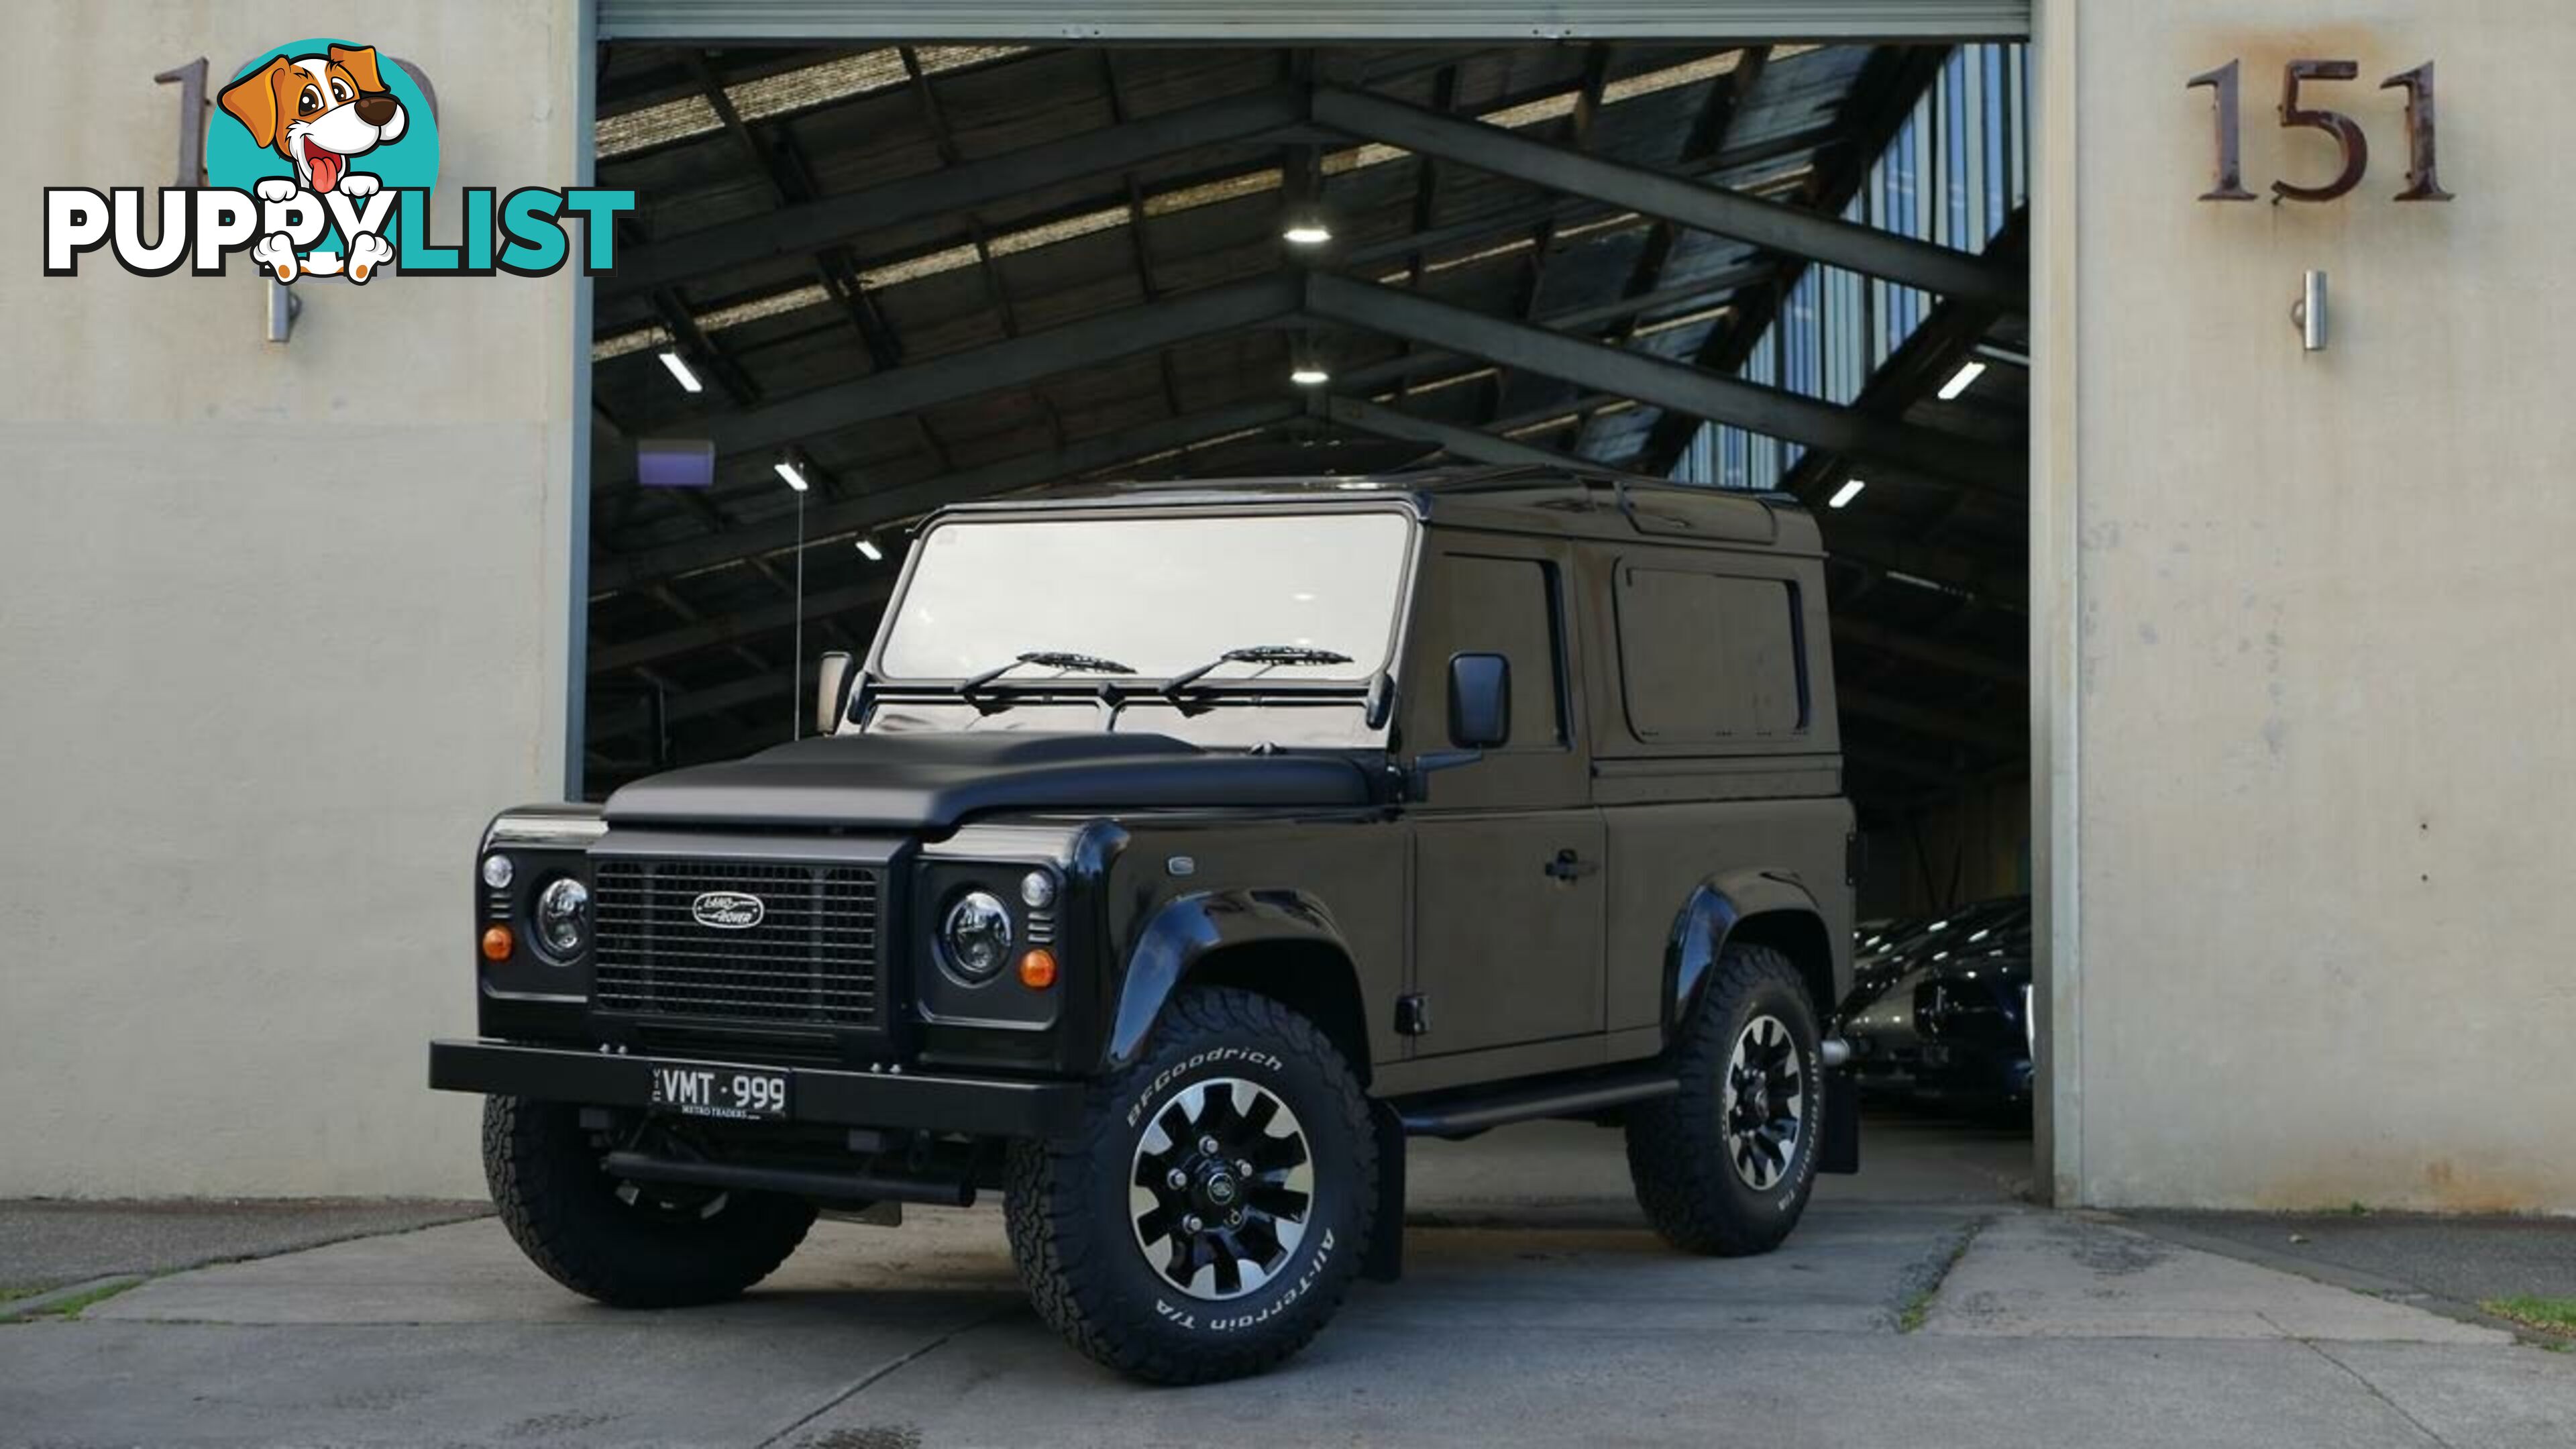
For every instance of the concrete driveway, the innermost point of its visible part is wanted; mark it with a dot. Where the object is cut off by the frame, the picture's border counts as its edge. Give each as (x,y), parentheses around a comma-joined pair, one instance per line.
(1920,1304)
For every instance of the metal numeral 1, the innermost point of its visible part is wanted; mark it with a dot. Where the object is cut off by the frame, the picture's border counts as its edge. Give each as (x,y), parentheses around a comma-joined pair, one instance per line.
(2230,184)
(191,81)
(2421,182)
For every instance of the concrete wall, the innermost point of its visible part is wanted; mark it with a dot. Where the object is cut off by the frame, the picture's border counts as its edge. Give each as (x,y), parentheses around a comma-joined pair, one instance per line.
(279,628)
(2306,695)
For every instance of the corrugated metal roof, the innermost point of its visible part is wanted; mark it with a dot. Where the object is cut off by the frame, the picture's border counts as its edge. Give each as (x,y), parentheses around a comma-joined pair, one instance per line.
(1081,244)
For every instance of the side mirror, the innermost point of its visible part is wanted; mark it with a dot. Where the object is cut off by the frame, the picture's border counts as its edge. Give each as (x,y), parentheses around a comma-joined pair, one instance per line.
(1480,701)
(831,683)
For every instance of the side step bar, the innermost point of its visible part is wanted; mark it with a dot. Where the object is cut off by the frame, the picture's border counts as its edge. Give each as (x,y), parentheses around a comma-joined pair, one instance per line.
(1454,1114)
(869,1187)
(1465,1112)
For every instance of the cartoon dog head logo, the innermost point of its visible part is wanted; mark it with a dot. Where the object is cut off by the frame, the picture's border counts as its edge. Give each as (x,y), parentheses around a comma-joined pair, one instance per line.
(320,128)
(318,111)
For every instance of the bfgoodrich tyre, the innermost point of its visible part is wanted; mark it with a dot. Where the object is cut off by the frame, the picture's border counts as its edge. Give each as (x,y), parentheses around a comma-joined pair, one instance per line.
(1207,1221)
(627,1244)
(1725,1165)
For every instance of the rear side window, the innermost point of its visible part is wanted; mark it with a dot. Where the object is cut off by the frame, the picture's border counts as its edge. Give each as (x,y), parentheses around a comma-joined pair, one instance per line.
(1709,657)
(1507,606)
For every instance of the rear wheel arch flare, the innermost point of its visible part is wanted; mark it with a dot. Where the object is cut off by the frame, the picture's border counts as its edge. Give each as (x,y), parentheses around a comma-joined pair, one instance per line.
(1753,908)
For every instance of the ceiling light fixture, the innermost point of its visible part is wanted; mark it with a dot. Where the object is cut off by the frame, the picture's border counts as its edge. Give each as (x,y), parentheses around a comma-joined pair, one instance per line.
(680,372)
(1309,375)
(868,550)
(790,474)
(1306,232)
(1968,373)
(1845,494)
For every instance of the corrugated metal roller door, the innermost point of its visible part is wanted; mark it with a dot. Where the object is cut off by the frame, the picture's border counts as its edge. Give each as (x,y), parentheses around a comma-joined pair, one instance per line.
(1374,21)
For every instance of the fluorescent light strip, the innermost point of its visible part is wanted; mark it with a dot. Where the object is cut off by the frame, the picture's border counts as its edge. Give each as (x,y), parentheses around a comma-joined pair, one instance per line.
(1845,494)
(681,374)
(1187,198)
(1619,221)
(1705,314)
(1457,379)
(1920,582)
(1960,381)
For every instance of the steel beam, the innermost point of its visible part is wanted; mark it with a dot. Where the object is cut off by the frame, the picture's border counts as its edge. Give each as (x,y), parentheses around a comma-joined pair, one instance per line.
(799,231)
(1685,202)
(1939,724)
(1471,444)
(692,704)
(1671,385)
(1015,363)
(1876,554)
(1996,589)
(1918,649)
(729,628)
(875,510)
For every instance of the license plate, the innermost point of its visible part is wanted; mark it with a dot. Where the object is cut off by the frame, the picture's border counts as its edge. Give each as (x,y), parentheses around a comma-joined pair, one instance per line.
(738,1093)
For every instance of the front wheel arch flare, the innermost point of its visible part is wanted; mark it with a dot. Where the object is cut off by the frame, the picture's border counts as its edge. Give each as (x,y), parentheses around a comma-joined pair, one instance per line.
(1282,944)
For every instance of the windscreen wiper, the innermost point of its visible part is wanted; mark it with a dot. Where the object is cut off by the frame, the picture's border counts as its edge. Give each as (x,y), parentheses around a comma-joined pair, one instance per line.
(1254,654)
(1052,659)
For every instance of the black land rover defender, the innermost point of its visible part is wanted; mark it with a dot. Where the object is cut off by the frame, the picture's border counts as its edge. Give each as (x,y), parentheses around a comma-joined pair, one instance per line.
(1175,855)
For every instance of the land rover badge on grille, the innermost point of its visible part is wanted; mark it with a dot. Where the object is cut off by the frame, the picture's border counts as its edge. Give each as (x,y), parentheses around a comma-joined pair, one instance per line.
(728,910)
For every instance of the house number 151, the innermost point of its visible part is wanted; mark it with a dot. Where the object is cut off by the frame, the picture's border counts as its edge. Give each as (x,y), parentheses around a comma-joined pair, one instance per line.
(2351,145)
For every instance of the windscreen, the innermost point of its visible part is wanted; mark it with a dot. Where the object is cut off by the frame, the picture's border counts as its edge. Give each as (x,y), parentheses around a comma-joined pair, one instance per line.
(1157,595)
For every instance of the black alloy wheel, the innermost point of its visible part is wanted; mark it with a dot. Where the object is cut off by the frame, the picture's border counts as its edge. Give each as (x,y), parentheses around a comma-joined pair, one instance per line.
(1223,1185)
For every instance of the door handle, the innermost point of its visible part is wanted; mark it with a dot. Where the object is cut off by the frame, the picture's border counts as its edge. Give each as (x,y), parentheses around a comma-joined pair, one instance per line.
(1568,866)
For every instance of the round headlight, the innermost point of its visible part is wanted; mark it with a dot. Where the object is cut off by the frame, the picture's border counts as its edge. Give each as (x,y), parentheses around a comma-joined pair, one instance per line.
(976,937)
(498,872)
(1037,890)
(563,917)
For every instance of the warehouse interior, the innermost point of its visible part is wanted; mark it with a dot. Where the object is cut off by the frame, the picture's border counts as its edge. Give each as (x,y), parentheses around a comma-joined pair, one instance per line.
(907,275)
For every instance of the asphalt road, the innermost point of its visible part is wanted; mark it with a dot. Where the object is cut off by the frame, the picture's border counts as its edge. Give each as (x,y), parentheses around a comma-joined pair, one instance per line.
(2458,1261)
(1537,1311)
(46,1244)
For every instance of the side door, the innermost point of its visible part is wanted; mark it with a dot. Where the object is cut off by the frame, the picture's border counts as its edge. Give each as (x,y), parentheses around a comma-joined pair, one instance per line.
(1508,887)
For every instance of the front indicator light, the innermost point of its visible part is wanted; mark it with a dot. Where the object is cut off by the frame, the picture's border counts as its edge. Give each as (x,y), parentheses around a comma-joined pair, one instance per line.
(497,944)
(1037,969)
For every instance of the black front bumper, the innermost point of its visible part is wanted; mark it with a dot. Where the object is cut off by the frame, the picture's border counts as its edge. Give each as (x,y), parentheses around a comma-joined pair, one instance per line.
(972,1106)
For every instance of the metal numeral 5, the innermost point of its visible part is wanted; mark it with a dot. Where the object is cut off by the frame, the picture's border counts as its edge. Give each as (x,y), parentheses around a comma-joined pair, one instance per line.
(2347,132)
